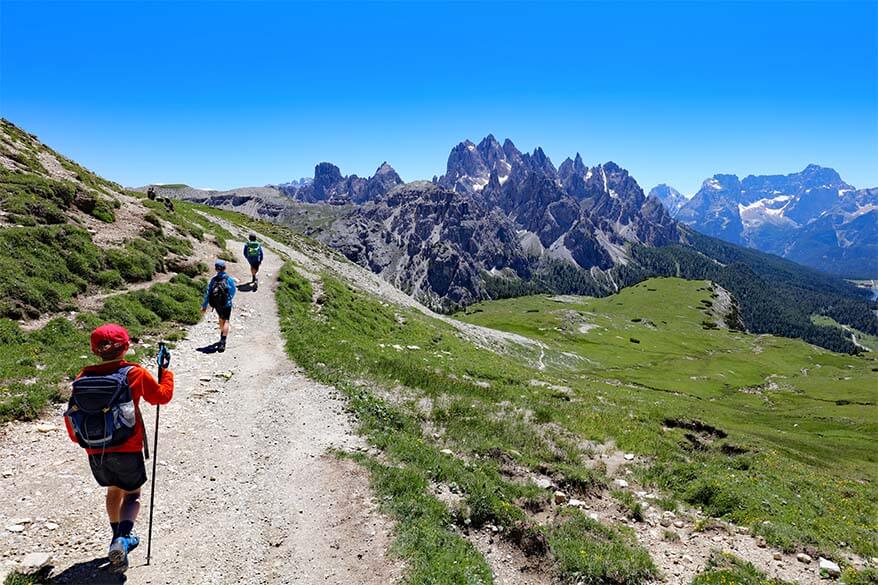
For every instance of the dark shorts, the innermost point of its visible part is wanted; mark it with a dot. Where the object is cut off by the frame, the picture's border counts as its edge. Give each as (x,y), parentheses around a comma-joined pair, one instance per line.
(121,470)
(255,265)
(225,313)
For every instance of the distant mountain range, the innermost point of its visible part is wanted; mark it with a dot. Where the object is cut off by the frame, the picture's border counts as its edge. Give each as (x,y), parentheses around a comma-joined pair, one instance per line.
(501,211)
(811,217)
(329,186)
(500,222)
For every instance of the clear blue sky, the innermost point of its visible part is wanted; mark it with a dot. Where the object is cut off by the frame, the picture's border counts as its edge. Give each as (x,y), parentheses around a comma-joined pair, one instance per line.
(224,95)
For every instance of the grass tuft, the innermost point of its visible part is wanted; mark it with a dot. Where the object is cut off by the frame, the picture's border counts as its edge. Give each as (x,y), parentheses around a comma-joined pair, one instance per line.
(591,552)
(727,569)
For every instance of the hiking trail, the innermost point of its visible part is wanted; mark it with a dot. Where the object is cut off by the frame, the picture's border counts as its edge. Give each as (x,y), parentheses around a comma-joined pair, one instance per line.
(246,491)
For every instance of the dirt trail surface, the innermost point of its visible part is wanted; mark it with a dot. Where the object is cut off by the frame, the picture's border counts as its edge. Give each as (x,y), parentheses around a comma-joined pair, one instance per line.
(246,491)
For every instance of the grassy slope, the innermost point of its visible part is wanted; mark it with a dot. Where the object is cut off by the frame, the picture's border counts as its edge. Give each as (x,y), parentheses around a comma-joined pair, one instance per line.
(48,260)
(47,253)
(34,366)
(725,569)
(777,469)
(805,417)
(39,283)
(351,340)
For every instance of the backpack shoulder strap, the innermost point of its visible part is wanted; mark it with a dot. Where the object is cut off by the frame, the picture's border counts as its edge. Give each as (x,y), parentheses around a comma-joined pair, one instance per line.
(121,378)
(121,375)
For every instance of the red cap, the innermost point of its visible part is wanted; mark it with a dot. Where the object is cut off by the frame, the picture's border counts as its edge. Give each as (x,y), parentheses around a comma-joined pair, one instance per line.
(109,340)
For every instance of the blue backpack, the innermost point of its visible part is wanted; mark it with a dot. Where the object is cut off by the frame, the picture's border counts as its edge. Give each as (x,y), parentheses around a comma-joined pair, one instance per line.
(101,410)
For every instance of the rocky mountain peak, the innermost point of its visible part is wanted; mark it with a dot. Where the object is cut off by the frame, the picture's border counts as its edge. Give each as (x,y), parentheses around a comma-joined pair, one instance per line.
(326,175)
(384,179)
(540,158)
(566,169)
(672,199)
(722,182)
(510,150)
(385,169)
(816,175)
(466,170)
(470,167)
(432,242)
(573,173)
(663,189)
(488,142)
(538,162)
(611,167)
(620,184)
(326,171)
(493,155)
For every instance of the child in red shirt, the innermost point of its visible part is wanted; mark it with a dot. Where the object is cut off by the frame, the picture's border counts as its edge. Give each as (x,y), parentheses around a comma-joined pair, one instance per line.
(121,468)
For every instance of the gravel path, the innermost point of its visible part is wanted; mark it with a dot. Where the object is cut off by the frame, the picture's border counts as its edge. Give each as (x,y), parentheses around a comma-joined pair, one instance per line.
(245,491)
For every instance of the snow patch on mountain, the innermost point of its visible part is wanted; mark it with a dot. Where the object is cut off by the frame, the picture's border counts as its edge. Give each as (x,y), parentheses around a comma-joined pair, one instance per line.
(479,184)
(713,184)
(765,211)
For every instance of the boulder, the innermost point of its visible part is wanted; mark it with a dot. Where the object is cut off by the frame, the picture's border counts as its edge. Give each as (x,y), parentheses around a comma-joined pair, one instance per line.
(832,569)
(35,561)
(803,558)
(544,483)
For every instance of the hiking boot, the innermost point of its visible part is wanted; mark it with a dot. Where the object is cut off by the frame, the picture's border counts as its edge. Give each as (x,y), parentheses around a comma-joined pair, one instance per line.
(221,347)
(119,550)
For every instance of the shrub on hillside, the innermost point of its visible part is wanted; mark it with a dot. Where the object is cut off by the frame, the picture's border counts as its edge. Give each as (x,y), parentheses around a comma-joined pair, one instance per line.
(132,263)
(32,200)
(109,279)
(43,267)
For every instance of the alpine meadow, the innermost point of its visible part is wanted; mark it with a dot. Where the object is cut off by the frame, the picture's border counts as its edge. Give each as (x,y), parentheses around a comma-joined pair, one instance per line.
(437,293)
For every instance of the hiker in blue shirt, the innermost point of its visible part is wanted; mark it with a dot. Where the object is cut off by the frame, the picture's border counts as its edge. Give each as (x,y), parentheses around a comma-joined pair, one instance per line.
(218,296)
(253,254)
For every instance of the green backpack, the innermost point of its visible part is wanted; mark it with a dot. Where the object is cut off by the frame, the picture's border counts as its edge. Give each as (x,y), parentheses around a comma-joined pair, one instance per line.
(252,252)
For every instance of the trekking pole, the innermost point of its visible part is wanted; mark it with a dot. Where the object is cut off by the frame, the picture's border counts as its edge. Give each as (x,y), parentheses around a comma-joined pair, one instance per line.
(163,360)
